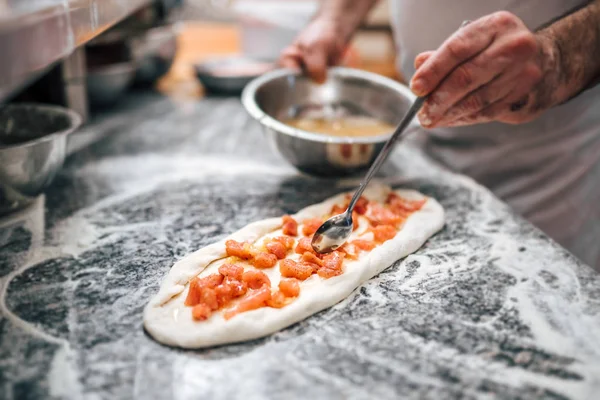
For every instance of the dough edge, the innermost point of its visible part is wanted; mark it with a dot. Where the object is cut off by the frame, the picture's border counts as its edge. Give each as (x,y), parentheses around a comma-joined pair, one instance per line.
(186,333)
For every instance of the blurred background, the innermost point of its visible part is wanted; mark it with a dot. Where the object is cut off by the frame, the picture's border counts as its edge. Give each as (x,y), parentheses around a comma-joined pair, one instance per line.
(87,67)
(86,54)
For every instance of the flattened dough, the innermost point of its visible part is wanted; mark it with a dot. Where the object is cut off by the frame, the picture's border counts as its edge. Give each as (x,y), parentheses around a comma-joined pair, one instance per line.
(170,322)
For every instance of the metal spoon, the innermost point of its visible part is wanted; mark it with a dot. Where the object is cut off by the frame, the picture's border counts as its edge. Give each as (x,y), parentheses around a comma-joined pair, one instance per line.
(337,229)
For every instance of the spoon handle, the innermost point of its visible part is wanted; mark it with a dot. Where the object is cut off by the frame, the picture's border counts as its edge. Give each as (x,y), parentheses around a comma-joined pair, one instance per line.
(410,114)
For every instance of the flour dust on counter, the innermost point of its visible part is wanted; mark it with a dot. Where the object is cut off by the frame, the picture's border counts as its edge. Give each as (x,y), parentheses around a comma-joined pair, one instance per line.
(488,307)
(227,292)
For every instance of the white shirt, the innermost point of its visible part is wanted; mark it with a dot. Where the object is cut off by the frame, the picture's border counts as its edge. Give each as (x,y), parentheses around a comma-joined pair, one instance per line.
(548,170)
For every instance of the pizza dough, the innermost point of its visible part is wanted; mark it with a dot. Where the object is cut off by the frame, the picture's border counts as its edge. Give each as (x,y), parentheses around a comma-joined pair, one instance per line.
(169,321)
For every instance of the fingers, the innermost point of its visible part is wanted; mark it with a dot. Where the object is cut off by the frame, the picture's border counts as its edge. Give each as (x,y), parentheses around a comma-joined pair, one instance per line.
(421,58)
(463,45)
(479,99)
(312,60)
(291,57)
(485,96)
(458,48)
(476,73)
(512,109)
(315,63)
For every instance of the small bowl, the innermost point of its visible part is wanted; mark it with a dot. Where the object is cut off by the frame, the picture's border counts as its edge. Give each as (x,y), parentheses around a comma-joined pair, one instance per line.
(219,75)
(154,53)
(107,83)
(33,142)
(272,97)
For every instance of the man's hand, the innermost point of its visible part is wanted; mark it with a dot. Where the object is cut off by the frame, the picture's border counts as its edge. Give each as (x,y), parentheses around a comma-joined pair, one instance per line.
(493,69)
(323,42)
(317,47)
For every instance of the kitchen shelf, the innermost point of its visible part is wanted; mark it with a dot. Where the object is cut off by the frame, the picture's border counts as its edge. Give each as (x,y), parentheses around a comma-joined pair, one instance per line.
(36,33)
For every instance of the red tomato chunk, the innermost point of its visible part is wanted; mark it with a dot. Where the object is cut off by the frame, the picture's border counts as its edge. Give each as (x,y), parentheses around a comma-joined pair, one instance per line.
(256,279)
(290,287)
(232,271)
(264,260)
(244,251)
(291,269)
(257,299)
(290,226)
(310,226)
(277,249)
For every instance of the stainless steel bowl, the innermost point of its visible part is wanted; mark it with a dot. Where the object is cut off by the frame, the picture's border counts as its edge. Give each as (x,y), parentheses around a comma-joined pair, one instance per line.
(154,52)
(208,73)
(281,93)
(33,141)
(107,83)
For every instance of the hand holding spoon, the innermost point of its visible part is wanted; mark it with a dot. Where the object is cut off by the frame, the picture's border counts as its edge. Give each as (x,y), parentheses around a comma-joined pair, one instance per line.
(337,229)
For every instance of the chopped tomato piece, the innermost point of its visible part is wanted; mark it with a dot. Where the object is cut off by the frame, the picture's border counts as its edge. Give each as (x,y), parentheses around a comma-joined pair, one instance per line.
(264,260)
(197,284)
(310,226)
(287,241)
(379,215)
(327,273)
(238,288)
(290,226)
(232,271)
(305,245)
(399,204)
(257,299)
(292,269)
(277,300)
(193,296)
(361,205)
(350,251)
(208,296)
(210,281)
(277,248)
(245,251)
(333,260)
(312,258)
(355,222)
(201,312)
(290,287)
(363,244)
(256,279)
(313,266)
(384,233)
(337,209)
(224,293)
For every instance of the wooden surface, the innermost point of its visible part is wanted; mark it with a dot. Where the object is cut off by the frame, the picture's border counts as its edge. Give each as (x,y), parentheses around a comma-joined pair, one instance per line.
(371,51)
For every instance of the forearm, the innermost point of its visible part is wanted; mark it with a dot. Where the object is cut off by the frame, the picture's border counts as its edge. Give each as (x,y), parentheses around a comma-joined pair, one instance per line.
(574,53)
(345,14)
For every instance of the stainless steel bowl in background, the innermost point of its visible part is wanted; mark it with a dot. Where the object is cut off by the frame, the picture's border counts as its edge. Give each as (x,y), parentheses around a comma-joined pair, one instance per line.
(107,83)
(278,95)
(33,142)
(207,73)
(154,52)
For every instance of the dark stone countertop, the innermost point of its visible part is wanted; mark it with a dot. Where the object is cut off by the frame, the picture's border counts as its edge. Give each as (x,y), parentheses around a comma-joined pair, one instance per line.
(488,308)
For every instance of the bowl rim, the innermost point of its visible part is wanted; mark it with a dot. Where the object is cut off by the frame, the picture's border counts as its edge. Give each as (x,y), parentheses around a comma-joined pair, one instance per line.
(124,67)
(248,99)
(73,116)
(205,67)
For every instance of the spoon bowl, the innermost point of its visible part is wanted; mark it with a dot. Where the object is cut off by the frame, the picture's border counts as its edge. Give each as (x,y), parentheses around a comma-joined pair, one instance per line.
(333,233)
